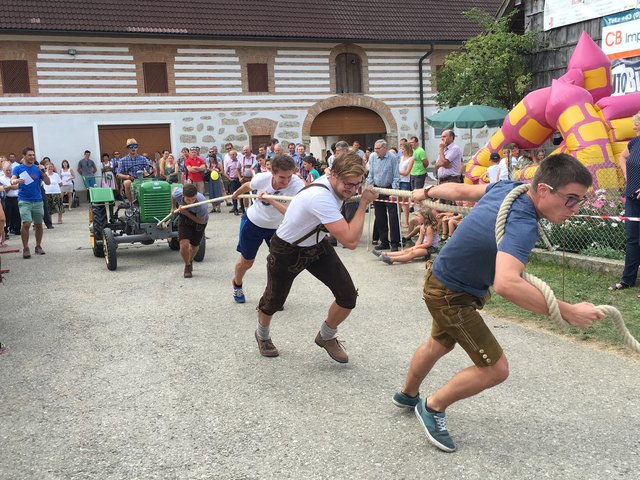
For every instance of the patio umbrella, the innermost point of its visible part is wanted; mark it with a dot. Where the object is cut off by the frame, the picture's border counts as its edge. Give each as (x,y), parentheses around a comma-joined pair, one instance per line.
(468,116)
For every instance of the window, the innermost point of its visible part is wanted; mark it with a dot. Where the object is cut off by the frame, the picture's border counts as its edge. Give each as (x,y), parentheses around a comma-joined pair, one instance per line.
(258,76)
(155,77)
(15,76)
(348,75)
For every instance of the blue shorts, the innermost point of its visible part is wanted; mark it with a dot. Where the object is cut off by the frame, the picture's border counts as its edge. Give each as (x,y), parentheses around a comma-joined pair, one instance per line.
(405,185)
(251,237)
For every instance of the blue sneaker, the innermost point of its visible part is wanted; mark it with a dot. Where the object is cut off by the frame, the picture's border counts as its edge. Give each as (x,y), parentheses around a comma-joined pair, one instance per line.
(238,293)
(435,426)
(402,400)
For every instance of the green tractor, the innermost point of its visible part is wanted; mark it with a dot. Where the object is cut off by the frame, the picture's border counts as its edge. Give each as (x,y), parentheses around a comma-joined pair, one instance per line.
(111,225)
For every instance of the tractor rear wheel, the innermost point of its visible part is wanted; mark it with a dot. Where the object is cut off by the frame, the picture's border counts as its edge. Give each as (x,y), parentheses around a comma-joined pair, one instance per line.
(201,249)
(98,216)
(110,246)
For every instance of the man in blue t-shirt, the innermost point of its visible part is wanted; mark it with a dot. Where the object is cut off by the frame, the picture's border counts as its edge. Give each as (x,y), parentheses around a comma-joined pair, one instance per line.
(457,283)
(28,176)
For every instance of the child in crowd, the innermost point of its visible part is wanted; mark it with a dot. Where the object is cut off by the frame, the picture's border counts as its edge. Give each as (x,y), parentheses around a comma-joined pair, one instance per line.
(309,164)
(498,169)
(427,243)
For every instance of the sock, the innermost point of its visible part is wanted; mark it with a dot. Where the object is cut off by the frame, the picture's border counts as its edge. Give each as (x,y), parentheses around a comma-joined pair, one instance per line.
(263,332)
(328,333)
(407,395)
(235,284)
(430,410)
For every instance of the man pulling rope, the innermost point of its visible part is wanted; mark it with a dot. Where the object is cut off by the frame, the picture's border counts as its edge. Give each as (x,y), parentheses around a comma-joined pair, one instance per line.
(457,284)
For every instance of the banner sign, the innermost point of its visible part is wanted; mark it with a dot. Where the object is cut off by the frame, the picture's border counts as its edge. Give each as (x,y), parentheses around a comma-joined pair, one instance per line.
(625,76)
(621,34)
(558,13)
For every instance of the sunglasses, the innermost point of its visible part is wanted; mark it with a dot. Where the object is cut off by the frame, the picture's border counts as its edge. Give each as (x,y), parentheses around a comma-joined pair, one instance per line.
(133,146)
(570,201)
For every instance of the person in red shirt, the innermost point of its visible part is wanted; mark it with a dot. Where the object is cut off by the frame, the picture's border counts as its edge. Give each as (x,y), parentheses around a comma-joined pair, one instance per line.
(196,167)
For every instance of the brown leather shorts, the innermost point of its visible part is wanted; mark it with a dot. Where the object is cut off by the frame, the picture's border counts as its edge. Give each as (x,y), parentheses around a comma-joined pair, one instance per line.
(456,320)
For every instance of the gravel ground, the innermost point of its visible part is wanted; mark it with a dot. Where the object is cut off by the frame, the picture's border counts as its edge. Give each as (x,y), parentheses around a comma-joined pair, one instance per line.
(140,373)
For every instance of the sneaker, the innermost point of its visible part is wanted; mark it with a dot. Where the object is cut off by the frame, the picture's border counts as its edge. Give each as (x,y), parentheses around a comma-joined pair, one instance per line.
(402,400)
(377,253)
(382,246)
(188,269)
(266,347)
(39,250)
(334,348)
(435,426)
(26,253)
(238,293)
(386,259)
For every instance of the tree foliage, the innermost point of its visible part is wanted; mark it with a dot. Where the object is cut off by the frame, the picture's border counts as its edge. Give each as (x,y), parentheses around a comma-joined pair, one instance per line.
(490,69)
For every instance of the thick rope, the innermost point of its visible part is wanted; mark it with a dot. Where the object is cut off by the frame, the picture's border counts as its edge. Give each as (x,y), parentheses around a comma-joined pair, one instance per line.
(427,203)
(549,297)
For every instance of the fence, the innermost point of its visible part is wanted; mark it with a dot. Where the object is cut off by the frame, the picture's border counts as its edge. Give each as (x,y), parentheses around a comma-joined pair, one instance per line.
(596,237)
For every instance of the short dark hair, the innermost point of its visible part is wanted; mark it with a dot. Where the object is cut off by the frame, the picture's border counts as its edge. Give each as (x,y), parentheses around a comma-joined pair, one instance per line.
(311,161)
(27,149)
(561,169)
(87,151)
(282,163)
(189,190)
(273,141)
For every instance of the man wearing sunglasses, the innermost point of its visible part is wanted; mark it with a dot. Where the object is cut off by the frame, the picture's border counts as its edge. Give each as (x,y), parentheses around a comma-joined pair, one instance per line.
(300,244)
(457,283)
(263,217)
(130,165)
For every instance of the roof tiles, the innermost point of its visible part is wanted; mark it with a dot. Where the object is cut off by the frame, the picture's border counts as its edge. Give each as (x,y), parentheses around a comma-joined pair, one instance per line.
(405,21)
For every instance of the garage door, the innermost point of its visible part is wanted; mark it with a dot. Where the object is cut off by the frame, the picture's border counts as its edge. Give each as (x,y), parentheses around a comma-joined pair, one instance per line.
(348,121)
(14,139)
(151,138)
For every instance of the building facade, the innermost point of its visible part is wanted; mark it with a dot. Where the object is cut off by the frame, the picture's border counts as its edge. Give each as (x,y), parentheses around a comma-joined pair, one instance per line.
(66,87)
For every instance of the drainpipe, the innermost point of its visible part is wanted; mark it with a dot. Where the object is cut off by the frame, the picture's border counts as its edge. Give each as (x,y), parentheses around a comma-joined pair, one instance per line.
(422,59)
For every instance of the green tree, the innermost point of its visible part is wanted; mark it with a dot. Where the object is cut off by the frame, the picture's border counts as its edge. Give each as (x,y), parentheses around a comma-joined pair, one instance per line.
(490,69)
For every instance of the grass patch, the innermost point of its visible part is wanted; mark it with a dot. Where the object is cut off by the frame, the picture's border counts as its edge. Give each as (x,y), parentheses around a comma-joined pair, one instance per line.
(574,285)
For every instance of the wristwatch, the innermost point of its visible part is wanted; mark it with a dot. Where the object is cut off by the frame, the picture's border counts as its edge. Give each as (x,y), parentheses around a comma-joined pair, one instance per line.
(426,191)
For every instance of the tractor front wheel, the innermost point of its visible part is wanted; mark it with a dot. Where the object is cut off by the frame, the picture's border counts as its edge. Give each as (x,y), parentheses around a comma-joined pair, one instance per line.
(98,218)
(174,244)
(110,246)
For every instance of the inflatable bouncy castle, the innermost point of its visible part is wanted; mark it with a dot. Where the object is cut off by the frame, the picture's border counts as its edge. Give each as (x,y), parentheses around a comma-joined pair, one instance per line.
(595,126)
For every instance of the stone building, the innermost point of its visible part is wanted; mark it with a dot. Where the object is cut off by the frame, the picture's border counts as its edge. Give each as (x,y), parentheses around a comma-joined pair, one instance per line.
(79,75)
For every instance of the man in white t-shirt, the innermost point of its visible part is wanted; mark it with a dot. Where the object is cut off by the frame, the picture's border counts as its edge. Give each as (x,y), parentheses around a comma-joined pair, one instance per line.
(263,217)
(300,244)
(498,169)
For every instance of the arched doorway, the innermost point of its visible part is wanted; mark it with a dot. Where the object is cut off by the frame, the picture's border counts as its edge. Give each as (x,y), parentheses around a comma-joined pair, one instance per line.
(349,118)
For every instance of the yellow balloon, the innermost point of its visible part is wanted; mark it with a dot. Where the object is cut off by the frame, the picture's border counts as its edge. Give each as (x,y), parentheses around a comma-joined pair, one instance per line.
(214,175)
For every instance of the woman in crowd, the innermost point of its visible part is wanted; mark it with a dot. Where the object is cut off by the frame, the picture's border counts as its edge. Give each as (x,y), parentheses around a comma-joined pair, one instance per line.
(67,176)
(405,166)
(108,176)
(215,186)
(630,166)
(170,169)
(540,156)
(54,192)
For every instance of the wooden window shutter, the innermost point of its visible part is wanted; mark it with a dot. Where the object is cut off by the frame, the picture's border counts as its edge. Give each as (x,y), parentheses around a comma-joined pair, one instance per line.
(348,75)
(155,77)
(15,76)
(258,75)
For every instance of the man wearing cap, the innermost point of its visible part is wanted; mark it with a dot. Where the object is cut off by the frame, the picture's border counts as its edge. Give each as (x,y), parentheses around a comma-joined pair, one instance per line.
(191,224)
(130,165)
(196,167)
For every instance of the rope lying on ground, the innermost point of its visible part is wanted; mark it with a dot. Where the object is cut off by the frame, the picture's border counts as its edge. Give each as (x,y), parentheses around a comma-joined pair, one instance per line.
(552,302)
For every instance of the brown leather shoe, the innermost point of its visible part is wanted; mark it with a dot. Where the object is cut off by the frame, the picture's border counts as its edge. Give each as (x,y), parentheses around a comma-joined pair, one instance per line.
(334,348)
(188,269)
(266,347)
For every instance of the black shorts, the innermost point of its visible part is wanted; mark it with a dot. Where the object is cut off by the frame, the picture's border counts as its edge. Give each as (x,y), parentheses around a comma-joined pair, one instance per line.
(286,261)
(190,230)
